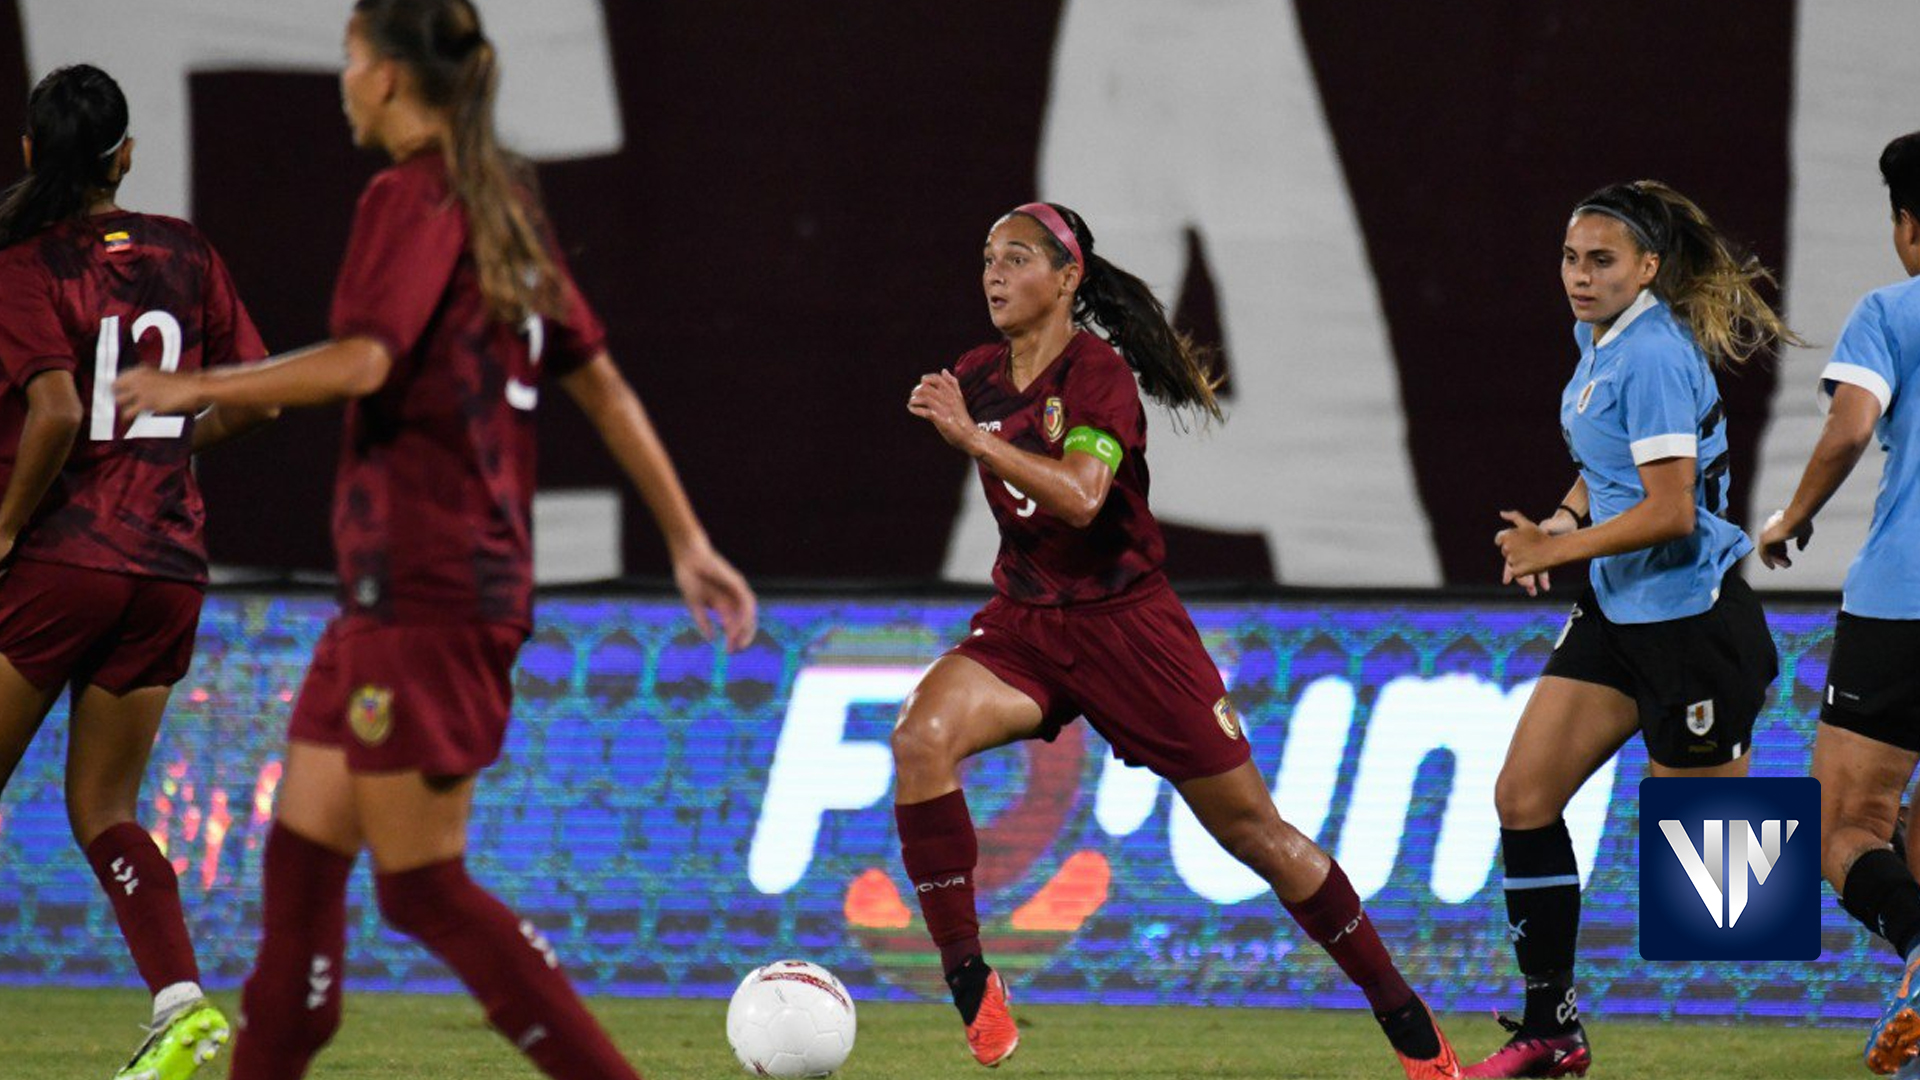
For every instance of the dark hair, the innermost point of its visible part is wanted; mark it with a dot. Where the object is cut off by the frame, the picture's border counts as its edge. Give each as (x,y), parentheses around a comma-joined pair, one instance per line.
(1900,168)
(1173,370)
(1712,285)
(453,64)
(77,118)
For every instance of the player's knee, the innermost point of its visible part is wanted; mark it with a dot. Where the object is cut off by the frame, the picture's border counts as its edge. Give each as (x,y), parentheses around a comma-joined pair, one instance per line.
(1256,842)
(922,740)
(1523,805)
(89,815)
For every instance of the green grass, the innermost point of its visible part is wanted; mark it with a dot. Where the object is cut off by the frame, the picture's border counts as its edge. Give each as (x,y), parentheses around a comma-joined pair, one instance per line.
(63,1034)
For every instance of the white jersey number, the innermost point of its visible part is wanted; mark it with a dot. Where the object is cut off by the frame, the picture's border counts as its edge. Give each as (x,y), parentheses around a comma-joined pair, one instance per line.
(519,394)
(106,368)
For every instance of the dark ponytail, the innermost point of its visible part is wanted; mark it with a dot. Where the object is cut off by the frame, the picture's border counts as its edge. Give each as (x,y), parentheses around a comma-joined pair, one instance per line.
(77,118)
(1712,285)
(1173,370)
(454,65)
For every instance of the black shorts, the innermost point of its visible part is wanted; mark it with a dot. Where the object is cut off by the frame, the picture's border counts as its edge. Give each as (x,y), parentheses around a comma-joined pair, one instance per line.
(1699,681)
(1873,680)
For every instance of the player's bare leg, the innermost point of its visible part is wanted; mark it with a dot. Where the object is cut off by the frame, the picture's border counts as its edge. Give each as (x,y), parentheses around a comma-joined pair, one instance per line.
(111,739)
(23,708)
(959,709)
(1237,809)
(1861,780)
(416,828)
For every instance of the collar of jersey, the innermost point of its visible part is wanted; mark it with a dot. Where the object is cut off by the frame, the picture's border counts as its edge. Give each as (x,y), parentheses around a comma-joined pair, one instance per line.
(1640,306)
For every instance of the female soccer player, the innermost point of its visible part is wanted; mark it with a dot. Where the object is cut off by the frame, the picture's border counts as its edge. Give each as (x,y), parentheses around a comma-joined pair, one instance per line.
(1668,640)
(1869,737)
(100,522)
(1085,622)
(451,304)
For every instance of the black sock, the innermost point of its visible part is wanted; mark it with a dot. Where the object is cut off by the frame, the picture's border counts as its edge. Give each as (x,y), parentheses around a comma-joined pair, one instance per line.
(1543,921)
(1880,892)
(968,982)
(1411,1030)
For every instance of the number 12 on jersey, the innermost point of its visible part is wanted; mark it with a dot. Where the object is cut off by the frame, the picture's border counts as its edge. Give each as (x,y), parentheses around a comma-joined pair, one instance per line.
(106,368)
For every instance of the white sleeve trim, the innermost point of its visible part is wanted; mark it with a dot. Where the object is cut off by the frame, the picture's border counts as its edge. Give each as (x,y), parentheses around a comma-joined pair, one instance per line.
(1656,447)
(1855,375)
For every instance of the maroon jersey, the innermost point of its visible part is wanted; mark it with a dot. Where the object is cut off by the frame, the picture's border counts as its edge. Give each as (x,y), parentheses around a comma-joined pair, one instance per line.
(433,500)
(95,297)
(1043,560)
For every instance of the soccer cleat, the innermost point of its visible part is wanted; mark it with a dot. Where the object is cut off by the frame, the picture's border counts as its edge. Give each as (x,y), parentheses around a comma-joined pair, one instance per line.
(1527,1054)
(176,1047)
(992,1034)
(1897,1032)
(1444,1065)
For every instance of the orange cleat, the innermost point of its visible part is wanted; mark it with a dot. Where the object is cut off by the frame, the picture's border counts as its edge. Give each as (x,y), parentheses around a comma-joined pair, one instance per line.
(1897,1033)
(993,1036)
(1444,1065)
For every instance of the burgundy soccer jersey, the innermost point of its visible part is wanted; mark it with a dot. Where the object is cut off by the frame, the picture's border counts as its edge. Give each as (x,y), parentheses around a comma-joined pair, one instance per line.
(95,297)
(433,501)
(1043,560)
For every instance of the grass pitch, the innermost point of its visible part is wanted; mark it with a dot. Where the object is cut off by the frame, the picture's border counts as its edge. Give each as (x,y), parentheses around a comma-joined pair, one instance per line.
(63,1034)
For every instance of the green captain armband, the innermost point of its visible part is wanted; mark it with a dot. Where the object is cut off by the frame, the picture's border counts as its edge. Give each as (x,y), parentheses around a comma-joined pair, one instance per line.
(1093,441)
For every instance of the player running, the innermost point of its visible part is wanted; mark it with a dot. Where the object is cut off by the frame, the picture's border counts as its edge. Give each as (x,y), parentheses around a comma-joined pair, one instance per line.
(101,520)
(1667,640)
(451,311)
(1869,736)
(1084,622)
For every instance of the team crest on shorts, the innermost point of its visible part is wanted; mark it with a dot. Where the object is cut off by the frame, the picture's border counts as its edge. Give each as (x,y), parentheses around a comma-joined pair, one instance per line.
(1700,717)
(370,714)
(1056,417)
(1586,395)
(1229,719)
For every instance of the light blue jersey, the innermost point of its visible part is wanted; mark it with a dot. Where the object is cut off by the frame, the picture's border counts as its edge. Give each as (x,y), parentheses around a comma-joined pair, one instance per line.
(1878,351)
(1644,392)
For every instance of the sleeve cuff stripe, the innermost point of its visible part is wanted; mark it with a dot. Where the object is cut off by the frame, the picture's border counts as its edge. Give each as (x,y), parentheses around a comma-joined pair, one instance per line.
(1863,377)
(1658,447)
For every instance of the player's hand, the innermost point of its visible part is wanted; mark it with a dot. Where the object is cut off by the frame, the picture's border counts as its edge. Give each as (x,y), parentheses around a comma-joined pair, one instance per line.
(1525,546)
(1775,535)
(710,584)
(938,401)
(150,390)
(1534,584)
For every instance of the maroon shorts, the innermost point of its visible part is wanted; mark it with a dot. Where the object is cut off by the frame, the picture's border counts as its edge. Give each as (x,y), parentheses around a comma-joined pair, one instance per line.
(119,632)
(1133,666)
(410,697)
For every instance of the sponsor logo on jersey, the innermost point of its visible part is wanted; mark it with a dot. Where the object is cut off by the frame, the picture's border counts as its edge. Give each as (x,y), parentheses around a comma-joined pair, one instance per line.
(1056,418)
(1229,719)
(370,714)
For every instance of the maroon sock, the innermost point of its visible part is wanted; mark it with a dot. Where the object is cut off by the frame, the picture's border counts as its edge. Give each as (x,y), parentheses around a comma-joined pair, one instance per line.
(508,966)
(939,847)
(1333,917)
(290,1005)
(146,900)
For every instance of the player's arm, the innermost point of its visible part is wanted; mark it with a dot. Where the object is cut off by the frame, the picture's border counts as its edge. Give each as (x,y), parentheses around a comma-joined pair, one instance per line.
(1848,430)
(318,375)
(53,421)
(221,424)
(1072,488)
(706,579)
(1667,513)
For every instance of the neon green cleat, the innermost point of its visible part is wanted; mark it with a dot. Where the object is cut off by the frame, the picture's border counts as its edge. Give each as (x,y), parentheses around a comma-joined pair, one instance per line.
(176,1049)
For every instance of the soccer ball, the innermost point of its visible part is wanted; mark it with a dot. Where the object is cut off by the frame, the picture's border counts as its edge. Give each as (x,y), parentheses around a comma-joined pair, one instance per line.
(791,1018)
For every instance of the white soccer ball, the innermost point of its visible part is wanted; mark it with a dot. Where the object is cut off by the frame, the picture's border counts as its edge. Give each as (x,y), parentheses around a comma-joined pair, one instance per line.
(791,1018)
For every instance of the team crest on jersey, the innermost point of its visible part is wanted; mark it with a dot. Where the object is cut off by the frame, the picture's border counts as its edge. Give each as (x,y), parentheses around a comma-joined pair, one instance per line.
(1700,717)
(1056,417)
(370,714)
(1586,395)
(1229,719)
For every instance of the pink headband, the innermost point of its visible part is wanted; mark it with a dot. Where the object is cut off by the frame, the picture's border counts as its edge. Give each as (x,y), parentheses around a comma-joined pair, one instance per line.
(1057,225)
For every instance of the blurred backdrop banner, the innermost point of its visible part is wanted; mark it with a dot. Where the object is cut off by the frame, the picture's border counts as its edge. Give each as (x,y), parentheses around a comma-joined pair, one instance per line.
(671,817)
(778,208)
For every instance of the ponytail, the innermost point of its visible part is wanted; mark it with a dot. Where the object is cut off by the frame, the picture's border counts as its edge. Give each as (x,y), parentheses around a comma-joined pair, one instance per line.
(1712,285)
(1173,370)
(457,69)
(77,119)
